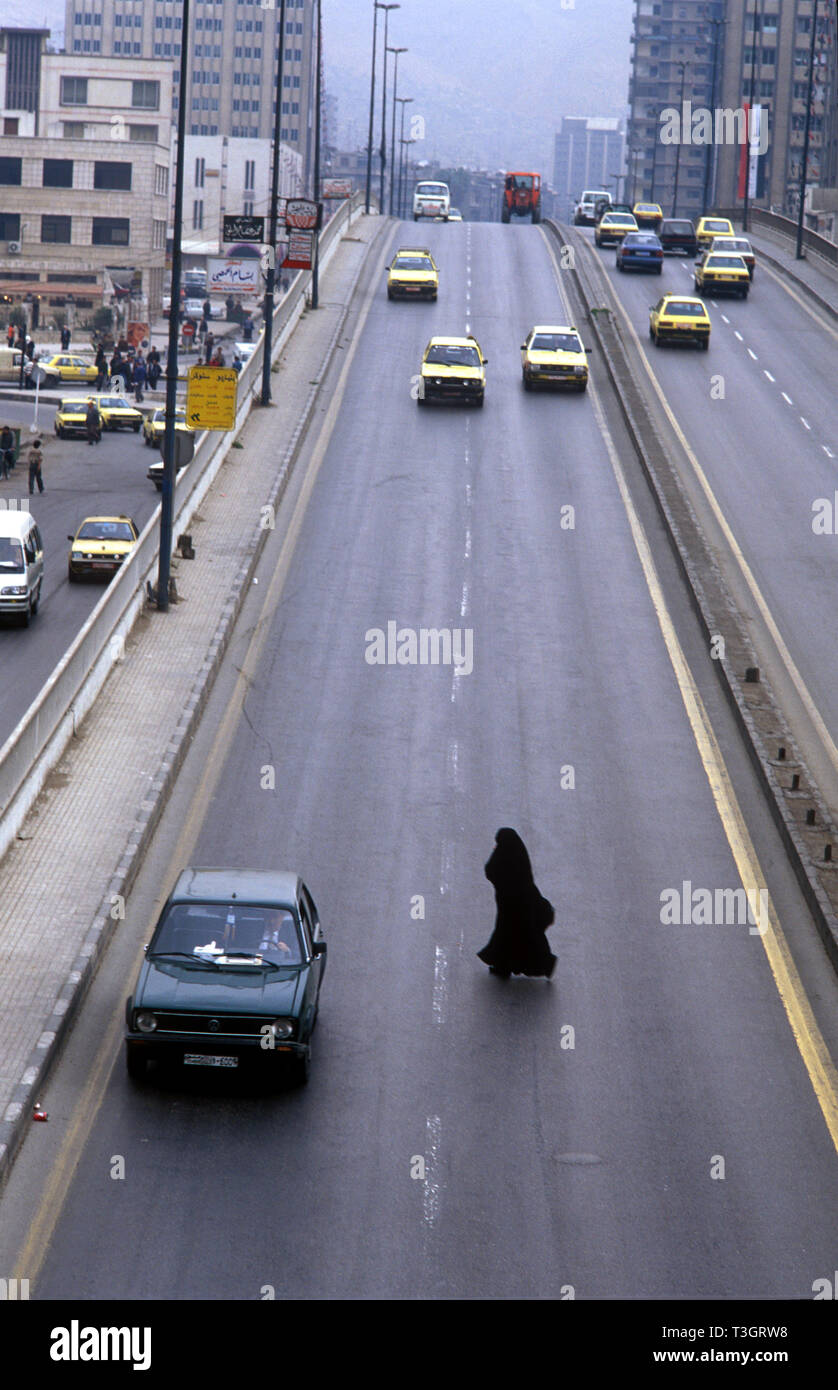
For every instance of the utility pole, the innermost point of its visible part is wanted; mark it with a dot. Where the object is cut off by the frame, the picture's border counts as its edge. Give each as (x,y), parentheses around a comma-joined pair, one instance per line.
(396,51)
(315,241)
(270,283)
(403,101)
(718,25)
(748,122)
(683,67)
(805,160)
(376,7)
(383,148)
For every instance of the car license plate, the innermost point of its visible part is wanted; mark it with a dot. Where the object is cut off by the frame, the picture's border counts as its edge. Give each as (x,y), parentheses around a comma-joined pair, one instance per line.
(643,253)
(200,1059)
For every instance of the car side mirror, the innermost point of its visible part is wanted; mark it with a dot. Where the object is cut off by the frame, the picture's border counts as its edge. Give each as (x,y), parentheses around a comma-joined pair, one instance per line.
(523,347)
(71,538)
(319,948)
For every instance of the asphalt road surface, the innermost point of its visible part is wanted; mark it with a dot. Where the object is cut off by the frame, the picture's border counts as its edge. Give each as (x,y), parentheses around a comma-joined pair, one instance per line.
(571,1132)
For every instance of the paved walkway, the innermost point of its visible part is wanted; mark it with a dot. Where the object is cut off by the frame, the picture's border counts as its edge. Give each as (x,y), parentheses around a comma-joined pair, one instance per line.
(71,856)
(814,275)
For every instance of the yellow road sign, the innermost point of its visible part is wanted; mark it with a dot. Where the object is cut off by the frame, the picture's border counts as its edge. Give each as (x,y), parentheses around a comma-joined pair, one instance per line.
(211,398)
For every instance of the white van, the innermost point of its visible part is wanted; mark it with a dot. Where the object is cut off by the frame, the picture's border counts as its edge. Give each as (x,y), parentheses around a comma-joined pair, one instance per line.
(584,212)
(9,364)
(21,564)
(431,199)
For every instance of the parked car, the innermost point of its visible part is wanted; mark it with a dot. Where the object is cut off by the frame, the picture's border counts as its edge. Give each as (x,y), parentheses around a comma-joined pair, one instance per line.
(231,976)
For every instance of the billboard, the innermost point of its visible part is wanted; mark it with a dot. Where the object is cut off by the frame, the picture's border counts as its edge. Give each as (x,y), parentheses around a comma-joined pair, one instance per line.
(233,276)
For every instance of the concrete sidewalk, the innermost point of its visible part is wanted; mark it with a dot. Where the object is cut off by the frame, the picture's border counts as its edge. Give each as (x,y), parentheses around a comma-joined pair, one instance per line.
(80,848)
(813,275)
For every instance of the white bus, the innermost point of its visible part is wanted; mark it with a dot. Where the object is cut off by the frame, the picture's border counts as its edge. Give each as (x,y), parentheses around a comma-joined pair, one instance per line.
(431,200)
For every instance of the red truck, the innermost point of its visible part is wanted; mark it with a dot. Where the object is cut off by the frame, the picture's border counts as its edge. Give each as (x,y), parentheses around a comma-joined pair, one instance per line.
(521,197)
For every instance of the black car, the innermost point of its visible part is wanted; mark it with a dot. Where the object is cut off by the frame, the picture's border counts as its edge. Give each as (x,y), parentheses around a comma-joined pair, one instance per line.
(602,207)
(678,234)
(231,976)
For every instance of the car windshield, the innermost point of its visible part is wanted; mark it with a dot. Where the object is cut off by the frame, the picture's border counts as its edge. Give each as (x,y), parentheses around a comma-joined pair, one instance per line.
(640,239)
(72,407)
(618,219)
(454,355)
(519,181)
(733,244)
(726,263)
(11,555)
(412,263)
(555,342)
(114,403)
(209,930)
(716,227)
(683,228)
(105,531)
(684,309)
(432,189)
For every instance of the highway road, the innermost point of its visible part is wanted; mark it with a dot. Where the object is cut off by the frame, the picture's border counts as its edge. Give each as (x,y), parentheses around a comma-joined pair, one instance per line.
(80,480)
(571,1132)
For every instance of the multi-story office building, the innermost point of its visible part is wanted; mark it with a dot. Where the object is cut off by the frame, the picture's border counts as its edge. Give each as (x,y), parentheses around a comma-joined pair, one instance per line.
(675,60)
(225,175)
(84,175)
(588,154)
(233,60)
(766,63)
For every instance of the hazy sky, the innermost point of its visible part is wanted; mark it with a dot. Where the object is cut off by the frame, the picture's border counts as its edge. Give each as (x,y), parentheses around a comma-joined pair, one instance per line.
(490,77)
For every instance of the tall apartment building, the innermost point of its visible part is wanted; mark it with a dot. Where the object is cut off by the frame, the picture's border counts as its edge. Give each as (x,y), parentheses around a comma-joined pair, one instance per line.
(233,52)
(84,175)
(588,153)
(766,61)
(676,58)
(225,175)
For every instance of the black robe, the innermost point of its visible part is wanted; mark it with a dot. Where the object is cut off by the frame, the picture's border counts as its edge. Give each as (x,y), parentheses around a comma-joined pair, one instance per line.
(518,945)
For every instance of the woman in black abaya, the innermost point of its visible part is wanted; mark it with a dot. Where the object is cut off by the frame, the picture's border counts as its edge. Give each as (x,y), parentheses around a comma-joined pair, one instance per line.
(518,945)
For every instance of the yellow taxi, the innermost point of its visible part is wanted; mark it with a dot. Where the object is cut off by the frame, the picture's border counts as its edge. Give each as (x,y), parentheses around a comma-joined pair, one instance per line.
(100,546)
(710,227)
(114,411)
(736,246)
(412,274)
(64,367)
(612,227)
(679,318)
(553,355)
(71,416)
(454,215)
(647,214)
(452,369)
(717,272)
(155,424)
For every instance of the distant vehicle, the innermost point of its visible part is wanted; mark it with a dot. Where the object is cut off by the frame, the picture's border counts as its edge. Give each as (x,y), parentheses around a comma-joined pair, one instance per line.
(584,212)
(63,367)
(678,234)
(679,318)
(455,215)
(245,350)
(553,355)
(641,251)
(453,369)
(195,282)
(710,227)
(100,546)
(154,425)
(736,246)
(717,273)
(431,199)
(115,412)
(521,197)
(194,308)
(612,227)
(412,274)
(648,215)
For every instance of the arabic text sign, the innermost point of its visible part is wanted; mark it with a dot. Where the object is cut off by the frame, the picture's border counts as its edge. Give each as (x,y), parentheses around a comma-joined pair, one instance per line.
(234,276)
(301,213)
(299,251)
(337,188)
(211,398)
(242,228)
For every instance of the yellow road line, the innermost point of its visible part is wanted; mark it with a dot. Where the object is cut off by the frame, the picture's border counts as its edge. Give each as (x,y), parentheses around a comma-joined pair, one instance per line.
(807,1035)
(34,1250)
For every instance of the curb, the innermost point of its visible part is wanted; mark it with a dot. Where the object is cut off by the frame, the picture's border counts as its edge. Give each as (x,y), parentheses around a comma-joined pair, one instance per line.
(752,703)
(16,1118)
(822,303)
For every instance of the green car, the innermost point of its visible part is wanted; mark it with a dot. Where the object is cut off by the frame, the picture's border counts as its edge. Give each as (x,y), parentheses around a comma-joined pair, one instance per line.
(231,976)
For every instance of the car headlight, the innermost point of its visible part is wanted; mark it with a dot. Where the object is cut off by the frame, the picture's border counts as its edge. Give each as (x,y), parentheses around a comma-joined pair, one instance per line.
(145,1021)
(282,1028)
(14,589)
(580,371)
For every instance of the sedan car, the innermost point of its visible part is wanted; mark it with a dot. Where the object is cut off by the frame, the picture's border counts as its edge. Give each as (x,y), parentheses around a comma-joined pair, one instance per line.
(71,416)
(736,246)
(64,367)
(678,234)
(554,356)
(245,350)
(412,274)
(100,546)
(679,318)
(710,227)
(716,273)
(648,214)
(454,215)
(155,424)
(612,227)
(231,976)
(452,369)
(640,251)
(119,414)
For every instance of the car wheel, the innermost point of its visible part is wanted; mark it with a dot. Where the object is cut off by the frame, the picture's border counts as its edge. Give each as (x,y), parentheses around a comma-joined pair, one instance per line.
(421,400)
(744,294)
(36,599)
(136,1063)
(583,387)
(479,399)
(136,429)
(72,577)
(706,343)
(299,1069)
(26,616)
(619,264)
(659,270)
(526,381)
(651,331)
(656,340)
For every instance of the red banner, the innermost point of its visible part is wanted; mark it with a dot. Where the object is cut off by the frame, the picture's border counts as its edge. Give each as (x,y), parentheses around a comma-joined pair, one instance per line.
(743,154)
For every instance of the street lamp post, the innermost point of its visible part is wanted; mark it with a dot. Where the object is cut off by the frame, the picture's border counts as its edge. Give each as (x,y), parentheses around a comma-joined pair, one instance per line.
(270,282)
(406,164)
(805,161)
(718,25)
(383,149)
(683,67)
(376,7)
(315,243)
(396,52)
(403,101)
(748,122)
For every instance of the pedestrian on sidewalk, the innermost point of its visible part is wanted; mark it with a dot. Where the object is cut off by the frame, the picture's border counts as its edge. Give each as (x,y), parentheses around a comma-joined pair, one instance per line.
(10,335)
(247,329)
(209,342)
(101,365)
(36,460)
(140,375)
(518,944)
(7,451)
(65,338)
(93,422)
(154,368)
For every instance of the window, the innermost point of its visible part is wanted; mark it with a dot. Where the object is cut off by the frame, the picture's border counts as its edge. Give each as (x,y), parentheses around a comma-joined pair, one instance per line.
(198,215)
(73,130)
(111,231)
(200,165)
(74,91)
(112,173)
(145,94)
(161,179)
(55,229)
(143,134)
(10,227)
(10,125)
(10,169)
(58,173)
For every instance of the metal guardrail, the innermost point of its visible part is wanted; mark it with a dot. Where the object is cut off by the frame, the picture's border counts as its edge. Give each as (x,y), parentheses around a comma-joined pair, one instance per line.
(762,219)
(37,742)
